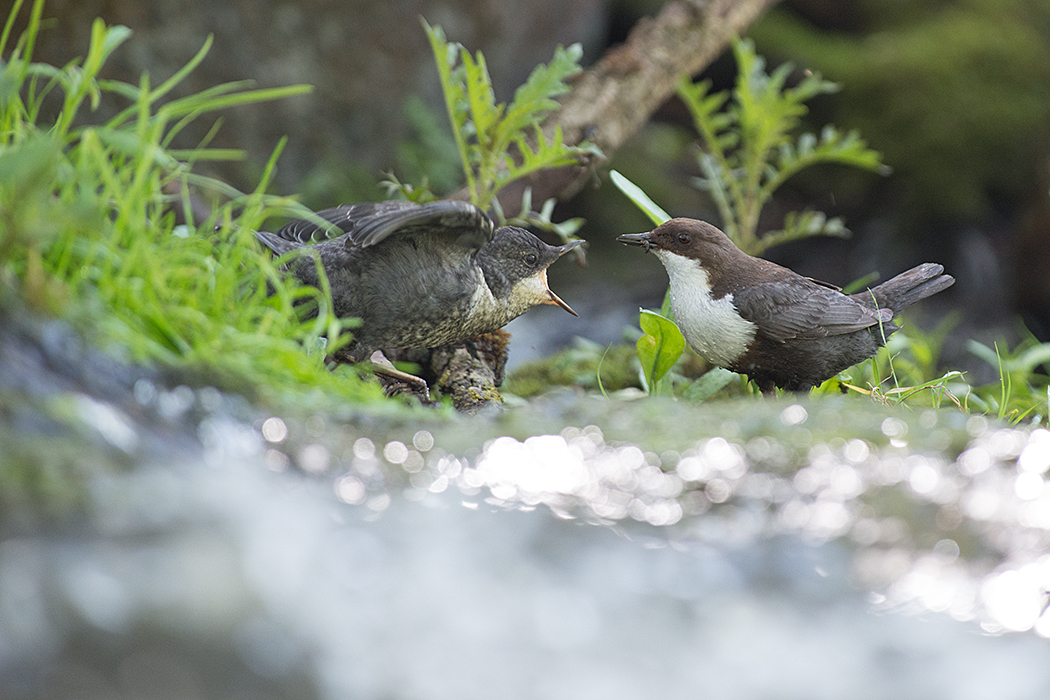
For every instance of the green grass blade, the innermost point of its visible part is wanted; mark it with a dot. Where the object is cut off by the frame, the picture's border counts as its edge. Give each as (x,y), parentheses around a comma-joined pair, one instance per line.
(640,199)
(10,23)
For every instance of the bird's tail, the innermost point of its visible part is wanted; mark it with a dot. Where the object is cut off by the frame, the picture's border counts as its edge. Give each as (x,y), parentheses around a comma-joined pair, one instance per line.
(907,288)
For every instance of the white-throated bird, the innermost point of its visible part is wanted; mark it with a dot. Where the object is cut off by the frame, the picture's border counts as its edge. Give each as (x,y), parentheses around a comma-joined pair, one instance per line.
(758,318)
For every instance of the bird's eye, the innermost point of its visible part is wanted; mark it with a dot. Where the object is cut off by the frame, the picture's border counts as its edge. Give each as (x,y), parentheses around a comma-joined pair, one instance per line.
(683,238)
(531,258)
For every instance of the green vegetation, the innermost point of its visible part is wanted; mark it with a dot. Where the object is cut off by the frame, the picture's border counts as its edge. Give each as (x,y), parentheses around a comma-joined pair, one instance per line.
(658,349)
(906,371)
(491,137)
(747,151)
(586,365)
(956,95)
(88,225)
(499,143)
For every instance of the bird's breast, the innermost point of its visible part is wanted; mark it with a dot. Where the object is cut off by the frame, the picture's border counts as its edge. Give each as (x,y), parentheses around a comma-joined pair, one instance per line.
(713,327)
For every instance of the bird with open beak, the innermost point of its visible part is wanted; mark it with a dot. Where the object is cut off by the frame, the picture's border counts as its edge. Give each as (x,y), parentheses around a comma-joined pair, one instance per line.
(421,275)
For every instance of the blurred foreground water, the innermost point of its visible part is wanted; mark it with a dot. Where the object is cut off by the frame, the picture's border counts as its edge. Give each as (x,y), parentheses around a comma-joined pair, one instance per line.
(158,541)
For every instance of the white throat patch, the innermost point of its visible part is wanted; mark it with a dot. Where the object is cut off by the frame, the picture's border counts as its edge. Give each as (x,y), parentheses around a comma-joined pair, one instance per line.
(711,326)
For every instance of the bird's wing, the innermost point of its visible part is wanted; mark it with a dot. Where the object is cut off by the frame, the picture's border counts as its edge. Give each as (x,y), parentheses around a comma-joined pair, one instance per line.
(462,222)
(368,223)
(275,243)
(784,311)
(345,218)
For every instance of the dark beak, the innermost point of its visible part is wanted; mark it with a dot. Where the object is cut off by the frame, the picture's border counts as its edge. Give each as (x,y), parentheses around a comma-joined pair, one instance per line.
(641,239)
(563,249)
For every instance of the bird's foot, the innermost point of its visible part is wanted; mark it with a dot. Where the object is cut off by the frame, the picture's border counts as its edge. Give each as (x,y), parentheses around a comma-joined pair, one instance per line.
(396,382)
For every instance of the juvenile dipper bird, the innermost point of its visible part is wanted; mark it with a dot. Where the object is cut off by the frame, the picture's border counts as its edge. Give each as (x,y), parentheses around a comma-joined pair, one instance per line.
(763,320)
(421,276)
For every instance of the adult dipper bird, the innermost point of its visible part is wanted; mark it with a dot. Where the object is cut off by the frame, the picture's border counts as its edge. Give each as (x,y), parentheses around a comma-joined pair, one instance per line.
(421,275)
(763,320)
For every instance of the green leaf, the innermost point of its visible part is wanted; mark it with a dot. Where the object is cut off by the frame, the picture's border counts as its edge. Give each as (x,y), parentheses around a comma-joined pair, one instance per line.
(484,111)
(803,224)
(547,154)
(104,41)
(535,97)
(216,98)
(1032,358)
(454,90)
(640,199)
(708,384)
(983,351)
(659,348)
(717,180)
(565,230)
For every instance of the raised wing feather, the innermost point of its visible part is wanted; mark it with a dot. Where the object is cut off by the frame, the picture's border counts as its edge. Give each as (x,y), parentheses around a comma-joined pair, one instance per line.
(345,218)
(369,223)
(465,223)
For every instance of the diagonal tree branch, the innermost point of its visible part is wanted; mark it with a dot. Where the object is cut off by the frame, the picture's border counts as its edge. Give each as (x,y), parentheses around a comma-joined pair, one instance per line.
(611,100)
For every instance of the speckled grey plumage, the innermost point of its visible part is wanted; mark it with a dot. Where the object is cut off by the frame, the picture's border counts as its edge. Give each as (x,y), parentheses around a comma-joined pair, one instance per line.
(417,275)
